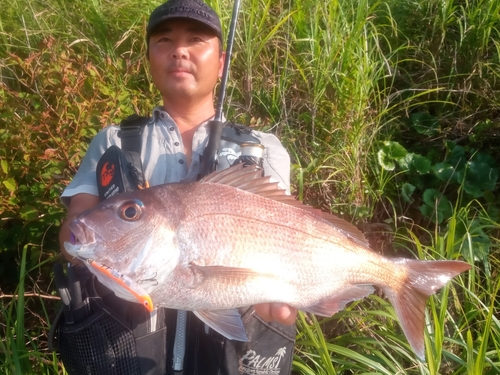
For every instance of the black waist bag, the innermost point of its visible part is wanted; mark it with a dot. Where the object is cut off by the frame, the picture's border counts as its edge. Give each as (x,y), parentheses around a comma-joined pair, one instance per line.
(269,351)
(104,335)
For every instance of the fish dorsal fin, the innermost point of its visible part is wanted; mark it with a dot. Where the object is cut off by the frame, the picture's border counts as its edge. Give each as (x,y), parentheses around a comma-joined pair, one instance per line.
(234,175)
(250,179)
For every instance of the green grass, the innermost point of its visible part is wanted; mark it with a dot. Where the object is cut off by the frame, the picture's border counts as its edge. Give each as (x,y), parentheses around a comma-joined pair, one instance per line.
(24,327)
(334,80)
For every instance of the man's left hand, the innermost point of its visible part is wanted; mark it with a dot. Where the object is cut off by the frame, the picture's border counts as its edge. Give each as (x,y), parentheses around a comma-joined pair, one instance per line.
(276,312)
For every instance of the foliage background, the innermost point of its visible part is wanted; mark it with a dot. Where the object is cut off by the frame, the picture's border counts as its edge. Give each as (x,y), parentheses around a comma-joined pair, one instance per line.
(389,109)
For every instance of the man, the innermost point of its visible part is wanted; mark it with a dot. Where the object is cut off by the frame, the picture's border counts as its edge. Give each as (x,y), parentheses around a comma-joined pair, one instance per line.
(186,60)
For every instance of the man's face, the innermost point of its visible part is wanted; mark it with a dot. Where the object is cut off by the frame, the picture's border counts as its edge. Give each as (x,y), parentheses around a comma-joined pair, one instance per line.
(185,59)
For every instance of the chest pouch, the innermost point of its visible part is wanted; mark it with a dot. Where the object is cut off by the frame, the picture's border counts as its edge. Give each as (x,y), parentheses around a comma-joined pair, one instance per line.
(119,171)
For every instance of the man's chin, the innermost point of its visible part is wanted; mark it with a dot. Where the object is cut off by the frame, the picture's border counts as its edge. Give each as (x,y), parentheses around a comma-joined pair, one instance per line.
(180,93)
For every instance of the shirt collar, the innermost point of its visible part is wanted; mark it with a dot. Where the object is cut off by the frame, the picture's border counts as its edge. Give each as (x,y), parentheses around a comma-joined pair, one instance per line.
(158,111)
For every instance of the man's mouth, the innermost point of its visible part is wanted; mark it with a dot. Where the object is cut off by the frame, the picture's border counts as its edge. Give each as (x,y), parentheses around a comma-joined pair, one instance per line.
(179,69)
(179,72)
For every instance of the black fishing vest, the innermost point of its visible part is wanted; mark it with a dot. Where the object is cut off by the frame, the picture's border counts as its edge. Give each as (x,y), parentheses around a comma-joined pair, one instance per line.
(103,334)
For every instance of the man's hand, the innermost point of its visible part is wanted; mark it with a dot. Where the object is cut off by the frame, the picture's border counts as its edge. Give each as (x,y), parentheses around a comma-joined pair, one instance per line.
(276,312)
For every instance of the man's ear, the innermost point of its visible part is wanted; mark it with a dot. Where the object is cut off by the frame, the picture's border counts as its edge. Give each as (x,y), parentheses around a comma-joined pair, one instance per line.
(222,59)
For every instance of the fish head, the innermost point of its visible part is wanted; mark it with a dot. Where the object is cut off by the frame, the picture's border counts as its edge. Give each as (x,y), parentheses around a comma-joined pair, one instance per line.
(127,242)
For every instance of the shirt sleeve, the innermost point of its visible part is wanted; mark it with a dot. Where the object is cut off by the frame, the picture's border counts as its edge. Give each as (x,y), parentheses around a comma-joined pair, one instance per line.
(276,159)
(85,180)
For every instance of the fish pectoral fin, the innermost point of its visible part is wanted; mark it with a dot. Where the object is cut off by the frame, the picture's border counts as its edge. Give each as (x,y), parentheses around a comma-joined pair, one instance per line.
(228,275)
(227,322)
(337,302)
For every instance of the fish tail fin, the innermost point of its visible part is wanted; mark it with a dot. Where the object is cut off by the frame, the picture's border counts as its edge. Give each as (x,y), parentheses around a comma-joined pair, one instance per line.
(424,278)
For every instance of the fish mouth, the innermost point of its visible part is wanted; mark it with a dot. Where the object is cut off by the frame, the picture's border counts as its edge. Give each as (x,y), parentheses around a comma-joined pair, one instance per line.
(80,233)
(122,285)
(80,241)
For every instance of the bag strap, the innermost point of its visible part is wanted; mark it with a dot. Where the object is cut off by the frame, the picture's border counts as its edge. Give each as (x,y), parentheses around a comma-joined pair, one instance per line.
(131,129)
(239,128)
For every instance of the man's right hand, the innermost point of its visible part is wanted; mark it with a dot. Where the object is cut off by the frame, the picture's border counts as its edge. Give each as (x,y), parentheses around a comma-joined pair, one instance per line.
(276,312)
(78,204)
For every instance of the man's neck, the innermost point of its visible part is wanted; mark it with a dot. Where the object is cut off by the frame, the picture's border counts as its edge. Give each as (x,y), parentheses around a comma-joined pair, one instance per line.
(188,115)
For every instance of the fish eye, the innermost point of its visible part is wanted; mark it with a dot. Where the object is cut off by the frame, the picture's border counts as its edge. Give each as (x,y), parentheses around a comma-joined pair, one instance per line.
(130,211)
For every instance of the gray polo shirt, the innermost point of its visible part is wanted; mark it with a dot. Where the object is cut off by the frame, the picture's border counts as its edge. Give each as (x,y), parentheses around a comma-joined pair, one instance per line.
(163,156)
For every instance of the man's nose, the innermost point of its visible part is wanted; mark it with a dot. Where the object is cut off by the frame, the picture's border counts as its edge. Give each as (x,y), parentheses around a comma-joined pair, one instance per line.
(180,51)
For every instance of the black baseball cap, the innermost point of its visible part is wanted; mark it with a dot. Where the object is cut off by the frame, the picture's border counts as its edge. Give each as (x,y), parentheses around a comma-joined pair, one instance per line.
(193,9)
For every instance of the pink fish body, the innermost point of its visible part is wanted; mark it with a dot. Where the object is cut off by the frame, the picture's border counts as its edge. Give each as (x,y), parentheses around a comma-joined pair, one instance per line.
(235,239)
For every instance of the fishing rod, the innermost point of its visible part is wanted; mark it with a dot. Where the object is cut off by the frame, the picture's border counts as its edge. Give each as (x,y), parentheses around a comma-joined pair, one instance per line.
(227,61)
(211,152)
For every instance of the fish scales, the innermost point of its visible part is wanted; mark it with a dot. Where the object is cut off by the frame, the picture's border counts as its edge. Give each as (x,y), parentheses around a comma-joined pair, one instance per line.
(271,254)
(250,219)
(235,239)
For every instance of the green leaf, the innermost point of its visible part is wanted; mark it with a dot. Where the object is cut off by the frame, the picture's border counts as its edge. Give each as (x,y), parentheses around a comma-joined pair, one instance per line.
(489,196)
(437,207)
(493,213)
(394,150)
(28,212)
(390,152)
(457,157)
(480,248)
(122,96)
(14,201)
(407,161)
(5,166)
(407,191)
(473,190)
(105,90)
(385,161)
(444,171)
(477,177)
(436,216)
(482,175)
(10,184)
(484,158)
(430,197)
(421,164)
(424,123)
(472,240)
(428,211)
